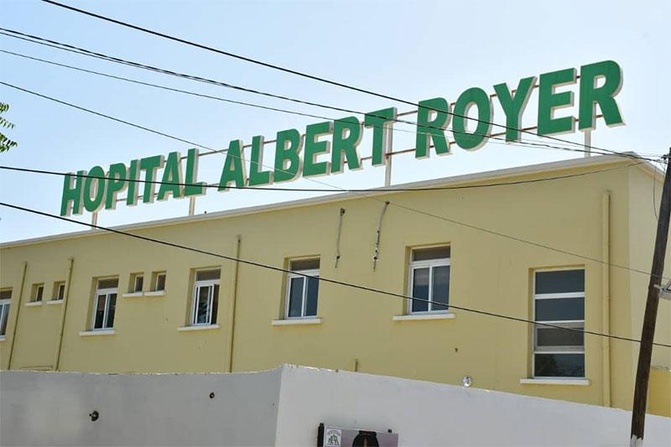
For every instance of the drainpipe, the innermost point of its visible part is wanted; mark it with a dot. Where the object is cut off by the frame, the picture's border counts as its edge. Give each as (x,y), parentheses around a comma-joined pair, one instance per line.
(236,270)
(18,310)
(605,298)
(63,314)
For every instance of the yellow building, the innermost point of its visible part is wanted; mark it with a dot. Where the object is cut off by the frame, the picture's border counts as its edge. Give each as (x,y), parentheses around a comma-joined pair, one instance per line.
(567,243)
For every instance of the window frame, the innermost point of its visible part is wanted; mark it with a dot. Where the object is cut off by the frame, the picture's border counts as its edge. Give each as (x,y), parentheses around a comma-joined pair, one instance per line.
(58,286)
(5,306)
(38,293)
(135,278)
(215,284)
(555,324)
(305,274)
(107,292)
(155,282)
(431,264)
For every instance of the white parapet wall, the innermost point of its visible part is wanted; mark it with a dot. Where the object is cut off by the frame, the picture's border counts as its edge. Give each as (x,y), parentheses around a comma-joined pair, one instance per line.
(285,406)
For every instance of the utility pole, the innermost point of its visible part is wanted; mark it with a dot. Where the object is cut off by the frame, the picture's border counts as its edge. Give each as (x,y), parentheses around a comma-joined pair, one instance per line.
(650,317)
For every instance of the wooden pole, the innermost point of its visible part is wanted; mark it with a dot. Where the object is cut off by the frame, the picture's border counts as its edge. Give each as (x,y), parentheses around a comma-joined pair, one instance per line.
(650,317)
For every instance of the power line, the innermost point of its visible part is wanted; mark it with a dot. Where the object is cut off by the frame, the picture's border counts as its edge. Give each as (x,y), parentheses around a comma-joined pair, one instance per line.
(85,52)
(347,190)
(291,71)
(369,197)
(321,278)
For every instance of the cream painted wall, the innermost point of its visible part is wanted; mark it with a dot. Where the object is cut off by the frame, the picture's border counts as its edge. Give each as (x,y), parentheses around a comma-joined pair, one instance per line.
(489,273)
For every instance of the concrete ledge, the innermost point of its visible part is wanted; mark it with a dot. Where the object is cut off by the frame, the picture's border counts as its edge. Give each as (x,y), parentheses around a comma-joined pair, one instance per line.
(97,333)
(198,327)
(33,304)
(427,316)
(297,321)
(155,293)
(50,302)
(569,382)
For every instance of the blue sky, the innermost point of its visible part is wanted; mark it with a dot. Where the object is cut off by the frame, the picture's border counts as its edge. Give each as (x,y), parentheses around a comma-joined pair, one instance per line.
(409,50)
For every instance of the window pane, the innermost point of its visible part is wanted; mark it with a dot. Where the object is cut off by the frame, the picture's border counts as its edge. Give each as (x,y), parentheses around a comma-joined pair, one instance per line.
(296,297)
(108,283)
(111,307)
(203,295)
(6,294)
(549,336)
(139,283)
(215,304)
(4,312)
(100,312)
(420,289)
(61,292)
(560,281)
(425,254)
(313,291)
(39,292)
(441,287)
(160,281)
(205,275)
(559,365)
(560,309)
(304,264)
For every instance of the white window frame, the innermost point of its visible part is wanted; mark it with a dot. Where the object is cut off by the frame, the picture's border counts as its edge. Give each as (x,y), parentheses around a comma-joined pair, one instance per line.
(157,275)
(38,295)
(430,264)
(312,273)
(60,285)
(106,293)
(4,313)
(214,284)
(568,324)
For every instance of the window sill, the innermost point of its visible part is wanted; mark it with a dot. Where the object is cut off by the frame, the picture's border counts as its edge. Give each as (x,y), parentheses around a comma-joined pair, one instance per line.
(49,303)
(95,333)
(427,316)
(2,338)
(33,304)
(297,321)
(155,293)
(198,327)
(568,381)
(131,294)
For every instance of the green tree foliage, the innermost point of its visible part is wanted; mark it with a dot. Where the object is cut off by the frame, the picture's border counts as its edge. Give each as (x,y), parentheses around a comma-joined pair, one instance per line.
(5,143)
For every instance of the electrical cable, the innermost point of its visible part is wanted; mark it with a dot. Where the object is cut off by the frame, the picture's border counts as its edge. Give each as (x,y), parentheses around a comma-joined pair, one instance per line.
(383,189)
(321,278)
(85,52)
(288,70)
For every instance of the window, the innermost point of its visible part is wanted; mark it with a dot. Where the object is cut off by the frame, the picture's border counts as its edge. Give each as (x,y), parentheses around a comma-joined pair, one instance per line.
(137,282)
(559,299)
(158,281)
(205,297)
(302,288)
(38,293)
(59,291)
(429,279)
(104,303)
(5,300)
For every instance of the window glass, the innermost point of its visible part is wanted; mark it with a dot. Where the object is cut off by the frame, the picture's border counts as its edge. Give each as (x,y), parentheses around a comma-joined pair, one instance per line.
(160,281)
(441,289)
(549,337)
(59,292)
(100,312)
(560,281)
(425,254)
(208,275)
(420,289)
(112,283)
(305,264)
(313,291)
(39,293)
(559,365)
(561,309)
(296,296)
(203,304)
(5,300)
(138,283)
(111,307)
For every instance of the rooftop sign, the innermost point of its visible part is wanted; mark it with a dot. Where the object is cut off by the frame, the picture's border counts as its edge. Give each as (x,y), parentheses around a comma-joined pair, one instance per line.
(327,147)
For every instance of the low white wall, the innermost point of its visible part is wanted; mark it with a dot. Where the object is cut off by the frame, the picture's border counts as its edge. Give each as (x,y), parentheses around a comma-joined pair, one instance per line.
(42,408)
(431,414)
(285,406)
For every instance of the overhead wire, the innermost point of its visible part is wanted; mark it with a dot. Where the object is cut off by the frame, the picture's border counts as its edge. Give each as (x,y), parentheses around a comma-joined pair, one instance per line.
(289,70)
(322,278)
(85,52)
(372,197)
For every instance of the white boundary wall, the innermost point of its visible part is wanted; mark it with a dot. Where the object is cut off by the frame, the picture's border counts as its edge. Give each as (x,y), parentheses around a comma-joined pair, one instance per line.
(284,407)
